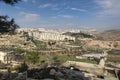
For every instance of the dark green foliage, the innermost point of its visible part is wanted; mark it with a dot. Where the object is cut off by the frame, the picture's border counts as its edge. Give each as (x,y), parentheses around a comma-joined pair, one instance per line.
(33,57)
(11,2)
(77,42)
(39,44)
(7,26)
(50,43)
(23,67)
(56,62)
(80,34)
(66,39)
(19,51)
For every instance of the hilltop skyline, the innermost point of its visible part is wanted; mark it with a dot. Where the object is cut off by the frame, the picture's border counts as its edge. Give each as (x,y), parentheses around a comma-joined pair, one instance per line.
(65,14)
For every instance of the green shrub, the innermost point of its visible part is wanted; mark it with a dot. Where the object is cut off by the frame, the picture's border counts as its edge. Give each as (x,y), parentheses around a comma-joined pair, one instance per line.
(23,67)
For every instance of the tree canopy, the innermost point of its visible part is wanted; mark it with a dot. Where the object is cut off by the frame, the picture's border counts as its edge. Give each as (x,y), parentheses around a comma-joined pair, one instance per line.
(11,2)
(7,26)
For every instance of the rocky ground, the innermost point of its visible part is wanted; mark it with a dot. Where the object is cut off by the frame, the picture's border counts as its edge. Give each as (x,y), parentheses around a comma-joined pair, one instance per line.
(55,73)
(17,40)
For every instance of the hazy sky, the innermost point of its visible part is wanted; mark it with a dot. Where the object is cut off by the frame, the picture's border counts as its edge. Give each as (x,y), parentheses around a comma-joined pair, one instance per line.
(65,14)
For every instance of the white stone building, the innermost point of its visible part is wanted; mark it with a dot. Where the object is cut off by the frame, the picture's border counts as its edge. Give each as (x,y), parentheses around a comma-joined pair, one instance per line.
(51,36)
(43,34)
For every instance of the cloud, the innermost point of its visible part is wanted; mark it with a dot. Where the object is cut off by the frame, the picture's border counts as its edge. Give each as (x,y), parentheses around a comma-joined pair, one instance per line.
(62,15)
(109,8)
(48,5)
(25,0)
(28,17)
(77,9)
(33,1)
(104,3)
(66,16)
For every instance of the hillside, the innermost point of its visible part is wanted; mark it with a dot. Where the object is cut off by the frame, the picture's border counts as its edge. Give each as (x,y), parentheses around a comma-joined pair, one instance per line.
(15,41)
(79,35)
(103,44)
(109,35)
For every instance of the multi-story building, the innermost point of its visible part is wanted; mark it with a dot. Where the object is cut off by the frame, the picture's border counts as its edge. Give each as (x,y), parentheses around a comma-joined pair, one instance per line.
(42,34)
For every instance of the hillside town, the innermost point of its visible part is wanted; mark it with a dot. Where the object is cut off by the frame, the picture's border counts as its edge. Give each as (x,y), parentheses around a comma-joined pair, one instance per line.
(59,40)
(57,53)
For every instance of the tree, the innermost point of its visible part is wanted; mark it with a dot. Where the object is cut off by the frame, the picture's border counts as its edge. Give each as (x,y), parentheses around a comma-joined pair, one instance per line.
(51,43)
(11,2)
(7,26)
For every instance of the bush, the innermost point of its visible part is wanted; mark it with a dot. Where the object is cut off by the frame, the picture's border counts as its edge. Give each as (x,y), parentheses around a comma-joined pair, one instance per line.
(23,67)
(33,57)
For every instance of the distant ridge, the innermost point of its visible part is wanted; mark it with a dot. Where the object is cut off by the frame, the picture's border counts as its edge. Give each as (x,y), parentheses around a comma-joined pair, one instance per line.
(109,35)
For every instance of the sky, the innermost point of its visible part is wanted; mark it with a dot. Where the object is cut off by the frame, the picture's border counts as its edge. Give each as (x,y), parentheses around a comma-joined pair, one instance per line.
(65,14)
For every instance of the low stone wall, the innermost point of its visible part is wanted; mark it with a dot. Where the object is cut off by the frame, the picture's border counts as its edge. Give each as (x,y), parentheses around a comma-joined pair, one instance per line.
(92,68)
